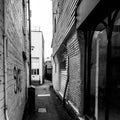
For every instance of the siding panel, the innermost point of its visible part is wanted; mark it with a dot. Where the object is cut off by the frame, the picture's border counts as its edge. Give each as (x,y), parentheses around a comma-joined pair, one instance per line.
(65,23)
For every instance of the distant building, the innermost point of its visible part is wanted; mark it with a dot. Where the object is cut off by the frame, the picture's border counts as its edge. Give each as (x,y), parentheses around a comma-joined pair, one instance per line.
(37,57)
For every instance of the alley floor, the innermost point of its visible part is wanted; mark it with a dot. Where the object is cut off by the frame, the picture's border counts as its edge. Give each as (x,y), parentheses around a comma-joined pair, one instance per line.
(47,105)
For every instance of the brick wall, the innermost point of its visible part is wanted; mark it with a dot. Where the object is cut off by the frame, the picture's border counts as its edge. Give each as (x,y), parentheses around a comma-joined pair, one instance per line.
(1,63)
(65,22)
(15,46)
(74,86)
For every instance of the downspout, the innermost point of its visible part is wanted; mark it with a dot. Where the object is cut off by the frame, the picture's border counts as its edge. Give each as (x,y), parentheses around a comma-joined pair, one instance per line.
(29,14)
(5,63)
(66,84)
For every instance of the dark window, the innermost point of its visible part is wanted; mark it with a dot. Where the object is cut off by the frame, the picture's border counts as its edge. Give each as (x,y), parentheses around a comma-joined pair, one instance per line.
(32,71)
(23,3)
(37,71)
(55,25)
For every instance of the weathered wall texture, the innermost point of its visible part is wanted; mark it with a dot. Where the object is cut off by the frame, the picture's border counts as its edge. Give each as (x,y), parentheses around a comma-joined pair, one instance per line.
(74,86)
(86,90)
(16,40)
(1,63)
(16,81)
(65,38)
(65,20)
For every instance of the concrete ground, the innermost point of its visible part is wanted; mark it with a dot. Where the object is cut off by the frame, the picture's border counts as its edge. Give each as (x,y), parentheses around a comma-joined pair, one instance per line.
(47,105)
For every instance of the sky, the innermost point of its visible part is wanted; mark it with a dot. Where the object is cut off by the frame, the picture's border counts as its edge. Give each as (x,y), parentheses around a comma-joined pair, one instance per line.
(41,11)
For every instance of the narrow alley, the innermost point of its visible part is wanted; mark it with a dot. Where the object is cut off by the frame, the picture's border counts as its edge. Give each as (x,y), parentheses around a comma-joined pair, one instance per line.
(59,60)
(47,105)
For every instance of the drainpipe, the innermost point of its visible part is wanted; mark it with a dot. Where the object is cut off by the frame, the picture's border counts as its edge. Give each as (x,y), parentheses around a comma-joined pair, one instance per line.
(29,14)
(66,84)
(5,64)
(5,77)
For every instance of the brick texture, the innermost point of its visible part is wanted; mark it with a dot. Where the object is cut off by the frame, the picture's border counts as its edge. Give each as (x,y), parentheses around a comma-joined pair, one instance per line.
(74,86)
(17,41)
(65,22)
(1,63)
(15,24)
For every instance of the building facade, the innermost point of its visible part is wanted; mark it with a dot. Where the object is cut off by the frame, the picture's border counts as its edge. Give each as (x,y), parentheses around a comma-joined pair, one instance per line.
(14,59)
(37,56)
(85,57)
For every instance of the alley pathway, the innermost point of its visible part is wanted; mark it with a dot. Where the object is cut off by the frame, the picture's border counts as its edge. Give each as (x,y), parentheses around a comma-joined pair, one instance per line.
(47,105)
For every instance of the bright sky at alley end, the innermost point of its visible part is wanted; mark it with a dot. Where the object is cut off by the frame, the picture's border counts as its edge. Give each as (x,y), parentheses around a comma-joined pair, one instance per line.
(42,17)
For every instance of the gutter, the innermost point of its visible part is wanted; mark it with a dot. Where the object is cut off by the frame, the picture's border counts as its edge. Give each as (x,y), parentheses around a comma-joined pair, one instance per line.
(5,63)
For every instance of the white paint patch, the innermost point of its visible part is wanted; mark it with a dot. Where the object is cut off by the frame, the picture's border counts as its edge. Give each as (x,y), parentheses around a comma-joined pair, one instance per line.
(42,110)
(43,95)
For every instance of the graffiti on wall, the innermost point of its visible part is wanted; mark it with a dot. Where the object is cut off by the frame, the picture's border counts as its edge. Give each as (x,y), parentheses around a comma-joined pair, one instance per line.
(17,78)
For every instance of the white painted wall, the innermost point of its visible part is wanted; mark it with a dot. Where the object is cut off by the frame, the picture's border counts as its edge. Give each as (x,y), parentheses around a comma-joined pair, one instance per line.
(55,74)
(37,41)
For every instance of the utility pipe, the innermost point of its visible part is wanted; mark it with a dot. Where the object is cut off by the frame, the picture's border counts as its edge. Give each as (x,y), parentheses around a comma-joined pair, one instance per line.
(5,77)
(29,15)
(66,83)
(5,63)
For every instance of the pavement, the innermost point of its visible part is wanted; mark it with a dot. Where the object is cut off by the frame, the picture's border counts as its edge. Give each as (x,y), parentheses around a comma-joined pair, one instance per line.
(47,105)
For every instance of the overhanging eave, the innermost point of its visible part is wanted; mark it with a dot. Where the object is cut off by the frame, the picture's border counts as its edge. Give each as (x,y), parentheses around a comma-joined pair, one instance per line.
(98,13)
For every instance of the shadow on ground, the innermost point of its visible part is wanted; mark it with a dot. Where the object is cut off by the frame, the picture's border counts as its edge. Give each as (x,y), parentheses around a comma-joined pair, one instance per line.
(47,105)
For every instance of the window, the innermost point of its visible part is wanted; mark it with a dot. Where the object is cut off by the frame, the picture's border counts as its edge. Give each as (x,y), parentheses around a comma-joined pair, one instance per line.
(37,71)
(32,71)
(55,25)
